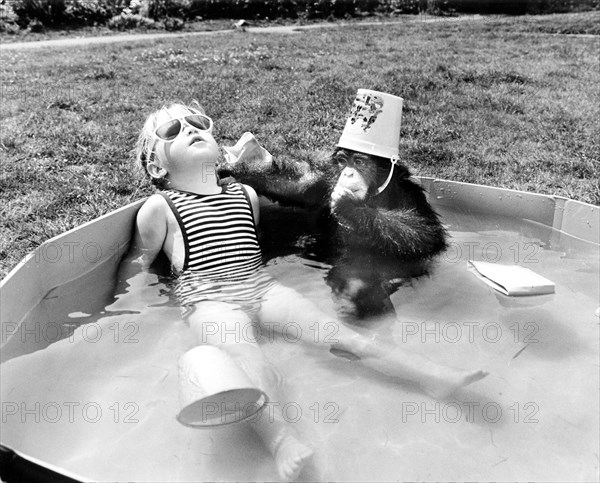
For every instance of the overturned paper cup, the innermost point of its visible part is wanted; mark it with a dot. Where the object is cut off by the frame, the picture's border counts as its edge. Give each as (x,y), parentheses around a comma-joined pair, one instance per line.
(214,390)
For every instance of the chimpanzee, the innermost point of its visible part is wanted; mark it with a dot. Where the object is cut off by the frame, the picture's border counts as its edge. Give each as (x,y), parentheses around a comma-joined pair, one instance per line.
(374,239)
(375,226)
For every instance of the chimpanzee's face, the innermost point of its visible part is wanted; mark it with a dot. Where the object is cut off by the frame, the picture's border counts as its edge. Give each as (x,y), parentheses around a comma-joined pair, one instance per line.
(358,173)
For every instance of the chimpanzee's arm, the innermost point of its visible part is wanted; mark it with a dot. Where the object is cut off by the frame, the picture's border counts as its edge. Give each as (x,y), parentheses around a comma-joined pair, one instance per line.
(289,182)
(404,233)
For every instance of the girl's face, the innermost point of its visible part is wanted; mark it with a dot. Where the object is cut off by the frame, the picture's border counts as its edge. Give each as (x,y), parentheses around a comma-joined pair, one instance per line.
(192,151)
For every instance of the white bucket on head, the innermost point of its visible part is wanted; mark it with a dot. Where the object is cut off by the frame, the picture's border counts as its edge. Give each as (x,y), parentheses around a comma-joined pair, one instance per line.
(373,126)
(214,390)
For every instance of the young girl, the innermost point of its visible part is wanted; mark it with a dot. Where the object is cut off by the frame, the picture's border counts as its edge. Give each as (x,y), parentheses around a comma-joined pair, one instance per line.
(208,232)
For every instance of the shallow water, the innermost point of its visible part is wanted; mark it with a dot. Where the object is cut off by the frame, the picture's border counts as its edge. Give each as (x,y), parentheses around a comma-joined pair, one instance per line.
(101,401)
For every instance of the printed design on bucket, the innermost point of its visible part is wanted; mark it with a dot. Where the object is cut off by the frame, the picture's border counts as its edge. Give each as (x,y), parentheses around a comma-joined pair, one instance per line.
(365,109)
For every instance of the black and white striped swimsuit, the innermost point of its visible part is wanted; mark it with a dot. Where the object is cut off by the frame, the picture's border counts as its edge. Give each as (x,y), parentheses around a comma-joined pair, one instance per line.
(222,255)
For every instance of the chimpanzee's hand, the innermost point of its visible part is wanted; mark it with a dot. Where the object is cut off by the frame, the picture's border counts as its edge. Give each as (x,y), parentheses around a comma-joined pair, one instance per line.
(338,193)
(246,155)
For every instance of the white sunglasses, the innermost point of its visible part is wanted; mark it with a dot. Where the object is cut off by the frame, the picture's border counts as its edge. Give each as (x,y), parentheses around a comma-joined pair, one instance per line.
(169,130)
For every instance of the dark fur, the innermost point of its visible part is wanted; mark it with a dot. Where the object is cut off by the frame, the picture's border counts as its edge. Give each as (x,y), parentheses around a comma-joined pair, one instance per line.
(398,223)
(386,236)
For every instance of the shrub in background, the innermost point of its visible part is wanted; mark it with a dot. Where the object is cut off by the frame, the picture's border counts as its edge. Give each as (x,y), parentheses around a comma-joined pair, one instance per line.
(248,9)
(410,7)
(89,12)
(134,16)
(512,7)
(51,13)
(8,19)
(46,12)
(257,9)
(161,9)
(128,21)
(173,23)
(92,12)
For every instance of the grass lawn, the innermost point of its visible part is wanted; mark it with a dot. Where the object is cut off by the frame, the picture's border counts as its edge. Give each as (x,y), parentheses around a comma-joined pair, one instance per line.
(492,102)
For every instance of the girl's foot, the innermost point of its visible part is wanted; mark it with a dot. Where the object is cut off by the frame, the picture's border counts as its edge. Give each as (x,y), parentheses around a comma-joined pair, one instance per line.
(290,457)
(444,387)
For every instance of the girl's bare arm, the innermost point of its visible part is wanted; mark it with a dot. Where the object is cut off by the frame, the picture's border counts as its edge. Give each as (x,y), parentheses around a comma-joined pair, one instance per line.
(148,239)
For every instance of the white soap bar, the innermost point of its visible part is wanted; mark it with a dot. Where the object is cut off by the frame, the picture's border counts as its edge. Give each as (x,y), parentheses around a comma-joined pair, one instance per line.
(512,279)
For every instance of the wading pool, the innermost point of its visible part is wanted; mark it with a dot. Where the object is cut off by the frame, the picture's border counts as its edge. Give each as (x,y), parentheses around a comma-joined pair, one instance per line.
(89,381)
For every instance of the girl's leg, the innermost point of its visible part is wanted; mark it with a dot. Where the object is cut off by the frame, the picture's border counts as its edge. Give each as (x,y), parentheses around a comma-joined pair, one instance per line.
(229,328)
(282,305)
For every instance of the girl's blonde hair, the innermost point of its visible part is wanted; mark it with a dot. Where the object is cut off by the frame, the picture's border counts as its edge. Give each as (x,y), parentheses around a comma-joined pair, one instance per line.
(144,148)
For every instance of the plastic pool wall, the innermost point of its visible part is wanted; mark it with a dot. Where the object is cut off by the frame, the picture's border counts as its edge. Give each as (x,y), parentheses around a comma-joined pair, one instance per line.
(535,417)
